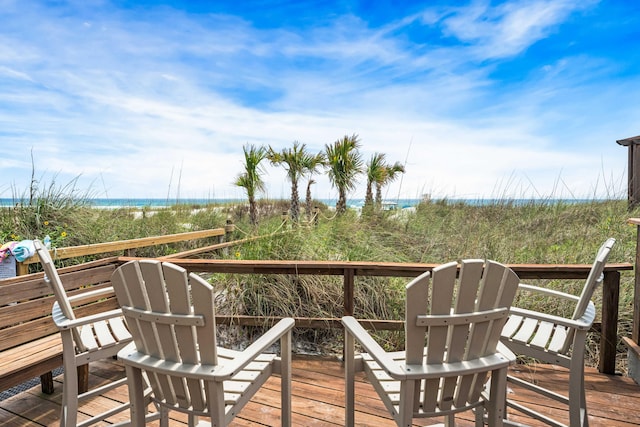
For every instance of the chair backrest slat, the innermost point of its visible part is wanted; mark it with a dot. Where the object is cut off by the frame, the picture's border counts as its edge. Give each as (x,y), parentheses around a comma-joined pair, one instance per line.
(476,286)
(128,285)
(154,288)
(168,291)
(442,294)
(180,293)
(52,278)
(594,279)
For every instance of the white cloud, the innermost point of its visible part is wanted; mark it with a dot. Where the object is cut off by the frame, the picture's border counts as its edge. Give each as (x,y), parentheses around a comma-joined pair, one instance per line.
(510,28)
(130,103)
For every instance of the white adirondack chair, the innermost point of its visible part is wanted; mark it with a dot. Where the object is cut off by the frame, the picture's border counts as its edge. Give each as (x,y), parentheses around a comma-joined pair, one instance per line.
(172,319)
(557,340)
(84,340)
(452,332)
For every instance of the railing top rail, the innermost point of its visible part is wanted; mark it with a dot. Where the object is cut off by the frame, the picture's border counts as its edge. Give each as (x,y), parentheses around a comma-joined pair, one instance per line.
(371,268)
(106,247)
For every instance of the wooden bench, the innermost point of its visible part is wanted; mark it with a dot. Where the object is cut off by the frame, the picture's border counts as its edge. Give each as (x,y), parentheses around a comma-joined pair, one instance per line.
(30,344)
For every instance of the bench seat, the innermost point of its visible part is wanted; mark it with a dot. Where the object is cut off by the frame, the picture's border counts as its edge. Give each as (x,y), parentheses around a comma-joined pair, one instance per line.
(30,344)
(36,358)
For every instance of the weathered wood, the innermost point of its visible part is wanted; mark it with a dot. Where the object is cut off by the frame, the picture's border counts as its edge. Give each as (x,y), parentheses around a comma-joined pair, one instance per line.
(318,399)
(609,334)
(348,291)
(635,331)
(46,382)
(121,245)
(30,343)
(372,268)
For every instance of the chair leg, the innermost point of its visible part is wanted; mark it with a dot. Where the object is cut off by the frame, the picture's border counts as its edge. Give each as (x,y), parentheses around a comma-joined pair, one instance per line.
(216,404)
(349,377)
(136,396)
(497,397)
(407,394)
(285,380)
(164,417)
(69,414)
(69,408)
(577,398)
(450,421)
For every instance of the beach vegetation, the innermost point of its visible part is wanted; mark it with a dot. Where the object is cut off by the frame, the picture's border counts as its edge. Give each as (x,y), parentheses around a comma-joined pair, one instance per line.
(251,178)
(297,162)
(344,163)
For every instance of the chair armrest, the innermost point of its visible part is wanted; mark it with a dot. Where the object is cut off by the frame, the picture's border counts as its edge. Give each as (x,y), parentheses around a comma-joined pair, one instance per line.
(92,294)
(547,292)
(584,322)
(62,322)
(506,352)
(450,369)
(391,367)
(246,356)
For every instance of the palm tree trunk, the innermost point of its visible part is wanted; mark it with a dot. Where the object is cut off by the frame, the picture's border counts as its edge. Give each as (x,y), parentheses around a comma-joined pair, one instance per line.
(295,205)
(253,211)
(368,199)
(308,200)
(341,205)
(378,196)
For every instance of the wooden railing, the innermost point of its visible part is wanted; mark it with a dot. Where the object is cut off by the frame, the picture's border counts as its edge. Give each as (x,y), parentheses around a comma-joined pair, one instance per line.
(129,245)
(349,270)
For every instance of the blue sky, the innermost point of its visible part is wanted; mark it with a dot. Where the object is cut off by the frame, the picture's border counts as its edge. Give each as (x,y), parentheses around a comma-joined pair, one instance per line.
(478,99)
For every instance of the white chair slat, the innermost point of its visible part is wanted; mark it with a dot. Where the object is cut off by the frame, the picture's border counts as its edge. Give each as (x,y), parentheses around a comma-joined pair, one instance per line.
(103,334)
(512,325)
(542,335)
(527,330)
(88,338)
(119,329)
(558,339)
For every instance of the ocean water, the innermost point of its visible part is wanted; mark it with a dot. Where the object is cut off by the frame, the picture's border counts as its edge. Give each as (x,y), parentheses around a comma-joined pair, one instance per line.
(113,203)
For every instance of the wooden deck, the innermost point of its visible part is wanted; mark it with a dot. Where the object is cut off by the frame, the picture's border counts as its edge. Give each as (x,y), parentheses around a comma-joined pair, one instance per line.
(318,399)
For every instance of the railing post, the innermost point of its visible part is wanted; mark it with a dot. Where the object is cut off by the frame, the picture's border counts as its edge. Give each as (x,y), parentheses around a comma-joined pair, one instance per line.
(633,349)
(349,275)
(348,288)
(609,332)
(229,228)
(635,332)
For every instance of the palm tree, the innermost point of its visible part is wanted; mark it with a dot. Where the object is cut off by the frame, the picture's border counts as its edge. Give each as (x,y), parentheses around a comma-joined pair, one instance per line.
(390,173)
(251,179)
(376,170)
(295,161)
(344,163)
(315,162)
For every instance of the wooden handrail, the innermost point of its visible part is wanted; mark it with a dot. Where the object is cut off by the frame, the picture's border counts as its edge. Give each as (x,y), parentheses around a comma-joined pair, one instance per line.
(120,245)
(22,268)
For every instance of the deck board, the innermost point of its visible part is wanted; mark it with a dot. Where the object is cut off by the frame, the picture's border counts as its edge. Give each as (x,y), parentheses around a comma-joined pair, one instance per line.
(318,399)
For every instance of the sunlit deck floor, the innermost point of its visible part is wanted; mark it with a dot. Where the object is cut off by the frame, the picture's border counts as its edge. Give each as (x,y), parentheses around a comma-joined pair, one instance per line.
(318,399)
